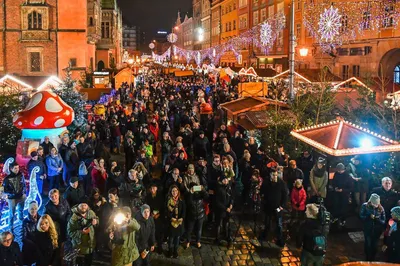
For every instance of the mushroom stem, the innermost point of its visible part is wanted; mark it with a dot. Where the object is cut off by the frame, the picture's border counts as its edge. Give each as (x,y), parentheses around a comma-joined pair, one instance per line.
(39,134)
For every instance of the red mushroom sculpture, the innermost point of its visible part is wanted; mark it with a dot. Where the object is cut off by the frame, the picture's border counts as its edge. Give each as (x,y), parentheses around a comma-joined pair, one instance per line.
(45,115)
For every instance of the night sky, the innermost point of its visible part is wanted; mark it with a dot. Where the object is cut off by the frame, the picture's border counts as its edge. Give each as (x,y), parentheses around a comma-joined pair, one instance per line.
(153,15)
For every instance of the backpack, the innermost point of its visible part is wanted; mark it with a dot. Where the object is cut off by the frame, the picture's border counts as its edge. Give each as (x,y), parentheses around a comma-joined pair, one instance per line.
(319,243)
(82,169)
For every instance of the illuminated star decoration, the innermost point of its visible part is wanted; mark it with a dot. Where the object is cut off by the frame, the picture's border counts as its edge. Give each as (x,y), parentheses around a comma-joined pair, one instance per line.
(172,38)
(266,35)
(329,24)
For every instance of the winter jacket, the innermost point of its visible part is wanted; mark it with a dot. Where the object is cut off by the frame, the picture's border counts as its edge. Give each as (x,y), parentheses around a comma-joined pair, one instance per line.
(181,164)
(195,205)
(53,163)
(132,193)
(29,226)
(298,198)
(166,146)
(85,242)
(201,147)
(99,179)
(308,230)
(223,199)
(344,182)
(393,244)
(46,253)
(372,225)
(318,183)
(305,164)
(290,175)
(72,160)
(173,232)
(126,253)
(60,214)
(74,195)
(10,256)
(214,174)
(46,147)
(187,179)
(145,237)
(275,194)
(238,146)
(14,185)
(245,171)
(32,164)
(113,181)
(389,199)
(156,203)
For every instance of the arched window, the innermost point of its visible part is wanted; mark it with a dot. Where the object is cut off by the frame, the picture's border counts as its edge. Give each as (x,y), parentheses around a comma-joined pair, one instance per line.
(35,21)
(396,76)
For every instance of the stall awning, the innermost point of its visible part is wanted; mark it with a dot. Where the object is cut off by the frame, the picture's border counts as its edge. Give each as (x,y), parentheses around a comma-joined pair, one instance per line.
(342,138)
(243,104)
(183,73)
(260,119)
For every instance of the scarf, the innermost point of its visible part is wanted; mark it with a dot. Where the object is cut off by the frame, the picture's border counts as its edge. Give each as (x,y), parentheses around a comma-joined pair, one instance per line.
(318,172)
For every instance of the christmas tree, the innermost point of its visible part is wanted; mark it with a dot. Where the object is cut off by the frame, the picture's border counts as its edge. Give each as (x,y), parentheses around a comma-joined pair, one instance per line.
(67,91)
(10,104)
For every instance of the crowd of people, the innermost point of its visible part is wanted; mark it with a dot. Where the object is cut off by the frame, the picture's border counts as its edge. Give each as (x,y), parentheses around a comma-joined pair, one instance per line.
(184,167)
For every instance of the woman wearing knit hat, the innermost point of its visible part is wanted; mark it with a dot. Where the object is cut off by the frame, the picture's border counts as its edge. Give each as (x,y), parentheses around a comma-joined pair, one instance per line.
(392,244)
(319,179)
(373,216)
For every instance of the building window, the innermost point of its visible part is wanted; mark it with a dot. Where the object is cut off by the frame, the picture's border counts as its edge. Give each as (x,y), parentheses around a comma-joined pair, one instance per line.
(230,8)
(344,22)
(91,21)
(234,5)
(366,23)
(345,72)
(263,14)
(34,21)
(298,4)
(298,31)
(242,3)
(105,30)
(396,77)
(234,25)
(226,27)
(356,71)
(35,62)
(255,18)
(388,20)
(72,62)
(230,26)
(243,21)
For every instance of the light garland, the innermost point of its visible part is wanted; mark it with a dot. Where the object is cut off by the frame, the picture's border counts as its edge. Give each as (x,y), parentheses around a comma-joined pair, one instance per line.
(355,18)
(172,38)
(329,24)
(266,36)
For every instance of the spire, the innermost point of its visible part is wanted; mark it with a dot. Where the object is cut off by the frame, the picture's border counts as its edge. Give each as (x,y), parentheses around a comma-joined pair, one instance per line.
(186,18)
(178,19)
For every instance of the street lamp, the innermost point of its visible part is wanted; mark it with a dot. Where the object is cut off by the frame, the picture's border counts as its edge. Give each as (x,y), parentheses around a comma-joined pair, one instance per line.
(130,61)
(303,52)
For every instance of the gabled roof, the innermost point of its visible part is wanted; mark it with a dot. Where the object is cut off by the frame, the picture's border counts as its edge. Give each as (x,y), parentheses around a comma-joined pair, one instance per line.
(247,103)
(342,138)
(311,75)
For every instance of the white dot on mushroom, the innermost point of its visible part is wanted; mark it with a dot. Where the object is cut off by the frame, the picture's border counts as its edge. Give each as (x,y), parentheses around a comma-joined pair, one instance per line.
(38,120)
(53,106)
(59,123)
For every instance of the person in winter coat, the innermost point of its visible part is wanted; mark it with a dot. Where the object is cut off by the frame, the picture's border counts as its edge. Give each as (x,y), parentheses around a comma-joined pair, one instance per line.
(81,230)
(319,179)
(46,145)
(15,189)
(215,173)
(291,174)
(99,175)
(195,213)
(54,164)
(175,212)
(181,163)
(72,161)
(132,191)
(46,242)
(245,172)
(28,233)
(307,232)
(275,196)
(201,146)
(75,192)
(389,196)
(115,177)
(145,237)
(155,200)
(41,175)
(392,242)
(123,246)
(237,143)
(298,198)
(342,184)
(59,211)
(223,207)
(373,216)
(166,147)
(359,172)
(201,171)
(174,178)
(305,163)
(190,177)
(10,255)
(129,150)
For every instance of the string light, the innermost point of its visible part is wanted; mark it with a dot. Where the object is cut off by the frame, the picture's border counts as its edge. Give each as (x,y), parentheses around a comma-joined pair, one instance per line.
(329,24)
(172,38)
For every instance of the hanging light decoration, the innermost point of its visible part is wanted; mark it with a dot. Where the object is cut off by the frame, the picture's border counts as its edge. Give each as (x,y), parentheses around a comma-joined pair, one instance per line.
(266,38)
(151,46)
(329,24)
(172,38)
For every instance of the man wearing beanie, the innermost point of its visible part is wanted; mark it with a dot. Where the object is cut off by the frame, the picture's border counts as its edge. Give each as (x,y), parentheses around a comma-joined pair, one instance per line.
(342,185)
(190,177)
(373,216)
(145,237)
(309,232)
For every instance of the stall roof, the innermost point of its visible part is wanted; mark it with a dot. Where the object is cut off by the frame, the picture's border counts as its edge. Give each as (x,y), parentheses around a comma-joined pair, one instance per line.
(244,104)
(342,138)
(259,119)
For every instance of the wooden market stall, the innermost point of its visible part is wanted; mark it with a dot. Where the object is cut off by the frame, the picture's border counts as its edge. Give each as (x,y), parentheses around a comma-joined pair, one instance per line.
(124,76)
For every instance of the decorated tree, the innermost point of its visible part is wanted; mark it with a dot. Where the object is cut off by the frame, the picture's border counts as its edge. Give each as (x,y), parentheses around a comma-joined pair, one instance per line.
(67,91)
(10,103)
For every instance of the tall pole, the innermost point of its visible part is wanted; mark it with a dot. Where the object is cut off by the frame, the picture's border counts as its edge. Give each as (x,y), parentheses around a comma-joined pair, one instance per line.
(292,47)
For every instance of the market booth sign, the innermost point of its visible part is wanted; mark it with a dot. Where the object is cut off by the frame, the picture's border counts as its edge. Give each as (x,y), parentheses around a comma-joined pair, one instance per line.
(342,138)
